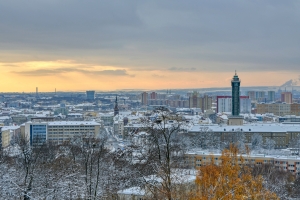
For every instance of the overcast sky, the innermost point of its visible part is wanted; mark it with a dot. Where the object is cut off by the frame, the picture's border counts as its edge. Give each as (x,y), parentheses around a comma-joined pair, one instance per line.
(155,44)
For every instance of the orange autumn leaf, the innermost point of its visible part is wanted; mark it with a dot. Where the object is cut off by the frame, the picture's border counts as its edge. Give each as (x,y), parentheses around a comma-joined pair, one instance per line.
(229,180)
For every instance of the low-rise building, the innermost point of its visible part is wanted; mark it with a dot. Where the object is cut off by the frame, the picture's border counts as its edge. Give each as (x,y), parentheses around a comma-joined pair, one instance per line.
(282,134)
(279,109)
(6,138)
(196,159)
(9,135)
(58,132)
(108,118)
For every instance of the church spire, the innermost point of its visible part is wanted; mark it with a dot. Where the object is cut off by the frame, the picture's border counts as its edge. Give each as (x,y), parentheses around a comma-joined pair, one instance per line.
(116,109)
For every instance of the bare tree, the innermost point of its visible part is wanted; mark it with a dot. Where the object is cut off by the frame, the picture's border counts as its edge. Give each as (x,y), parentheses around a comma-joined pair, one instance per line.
(270,144)
(204,139)
(296,144)
(90,152)
(256,141)
(163,152)
(236,137)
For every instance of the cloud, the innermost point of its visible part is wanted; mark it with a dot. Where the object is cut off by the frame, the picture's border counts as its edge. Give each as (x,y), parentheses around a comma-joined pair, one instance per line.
(118,72)
(58,71)
(215,36)
(181,69)
(158,76)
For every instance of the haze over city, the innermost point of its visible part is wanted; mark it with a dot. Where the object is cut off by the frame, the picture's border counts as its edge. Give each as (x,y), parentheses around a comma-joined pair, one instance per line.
(115,45)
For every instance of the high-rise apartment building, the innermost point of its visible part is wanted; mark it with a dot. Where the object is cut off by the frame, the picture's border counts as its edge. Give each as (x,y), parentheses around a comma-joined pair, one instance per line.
(144,96)
(153,95)
(259,96)
(196,101)
(252,95)
(271,96)
(90,95)
(287,97)
(206,102)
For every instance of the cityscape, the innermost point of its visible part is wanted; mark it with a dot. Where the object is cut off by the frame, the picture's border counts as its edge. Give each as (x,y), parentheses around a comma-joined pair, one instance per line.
(150,100)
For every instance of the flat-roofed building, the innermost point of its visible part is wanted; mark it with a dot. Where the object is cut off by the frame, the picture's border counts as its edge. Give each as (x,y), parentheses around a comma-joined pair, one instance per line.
(196,159)
(37,133)
(282,134)
(280,109)
(295,109)
(59,132)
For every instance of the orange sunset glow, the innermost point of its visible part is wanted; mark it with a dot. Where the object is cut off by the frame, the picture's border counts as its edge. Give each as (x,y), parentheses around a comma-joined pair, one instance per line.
(72,76)
(149,45)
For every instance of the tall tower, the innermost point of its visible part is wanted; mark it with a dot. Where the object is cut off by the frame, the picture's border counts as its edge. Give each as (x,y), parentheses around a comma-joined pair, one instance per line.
(235,118)
(235,85)
(116,109)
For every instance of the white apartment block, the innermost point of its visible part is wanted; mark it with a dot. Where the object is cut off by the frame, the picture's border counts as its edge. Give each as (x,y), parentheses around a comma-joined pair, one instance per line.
(58,132)
(224,104)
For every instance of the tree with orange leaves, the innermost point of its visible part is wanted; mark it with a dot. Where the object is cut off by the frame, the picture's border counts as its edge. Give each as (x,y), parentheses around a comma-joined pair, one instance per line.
(231,179)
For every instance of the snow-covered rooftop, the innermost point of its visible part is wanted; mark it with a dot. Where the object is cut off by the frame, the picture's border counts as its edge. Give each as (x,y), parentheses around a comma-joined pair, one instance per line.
(251,128)
(72,123)
(133,191)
